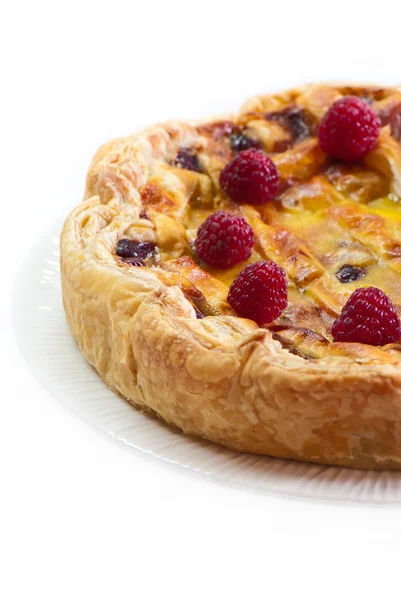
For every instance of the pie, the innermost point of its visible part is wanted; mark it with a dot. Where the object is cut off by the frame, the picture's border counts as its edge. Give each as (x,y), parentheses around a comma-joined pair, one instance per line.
(155,320)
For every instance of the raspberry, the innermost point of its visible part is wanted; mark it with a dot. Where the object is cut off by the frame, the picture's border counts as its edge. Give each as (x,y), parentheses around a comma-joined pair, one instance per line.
(349,130)
(368,317)
(224,240)
(259,292)
(251,177)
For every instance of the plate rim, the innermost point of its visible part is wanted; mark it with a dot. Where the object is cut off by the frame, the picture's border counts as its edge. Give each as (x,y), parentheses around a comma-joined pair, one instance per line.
(53,232)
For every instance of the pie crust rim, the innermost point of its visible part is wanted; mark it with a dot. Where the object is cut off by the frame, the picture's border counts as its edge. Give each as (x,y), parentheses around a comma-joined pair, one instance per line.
(222,378)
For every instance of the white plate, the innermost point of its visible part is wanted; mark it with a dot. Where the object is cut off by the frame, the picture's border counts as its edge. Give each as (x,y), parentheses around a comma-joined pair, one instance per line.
(56,361)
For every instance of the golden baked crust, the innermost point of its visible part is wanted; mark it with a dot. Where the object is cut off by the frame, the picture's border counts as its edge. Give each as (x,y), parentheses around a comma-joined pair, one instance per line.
(286,390)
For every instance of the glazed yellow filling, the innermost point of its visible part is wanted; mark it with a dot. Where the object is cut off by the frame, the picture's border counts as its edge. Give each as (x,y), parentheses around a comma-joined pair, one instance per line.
(313,244)
(333,227)
(312,231)
(329,218)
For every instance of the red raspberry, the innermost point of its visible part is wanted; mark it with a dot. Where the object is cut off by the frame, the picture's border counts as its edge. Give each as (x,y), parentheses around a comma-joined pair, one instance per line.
(259,292)
(349,130)
(251,177)
(224,240)
(368,317)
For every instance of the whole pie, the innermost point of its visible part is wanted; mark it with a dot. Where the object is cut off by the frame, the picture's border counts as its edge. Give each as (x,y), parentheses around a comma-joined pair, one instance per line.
(240,277)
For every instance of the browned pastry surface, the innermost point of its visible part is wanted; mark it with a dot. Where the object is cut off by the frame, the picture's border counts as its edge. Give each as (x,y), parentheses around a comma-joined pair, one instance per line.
(286,390)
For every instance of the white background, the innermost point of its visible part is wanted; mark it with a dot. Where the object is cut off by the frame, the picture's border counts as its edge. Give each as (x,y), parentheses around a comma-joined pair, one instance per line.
(81,517)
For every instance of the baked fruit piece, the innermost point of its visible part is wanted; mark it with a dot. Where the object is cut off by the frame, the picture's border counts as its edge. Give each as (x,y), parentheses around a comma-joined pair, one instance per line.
(154,319)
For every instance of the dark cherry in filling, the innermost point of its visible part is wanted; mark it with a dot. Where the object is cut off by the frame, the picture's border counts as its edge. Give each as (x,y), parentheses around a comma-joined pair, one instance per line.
(187,159)
(199,314)
(392,116)
(294,119)
(395,123)
(133,252)
(240,142)
(349,273)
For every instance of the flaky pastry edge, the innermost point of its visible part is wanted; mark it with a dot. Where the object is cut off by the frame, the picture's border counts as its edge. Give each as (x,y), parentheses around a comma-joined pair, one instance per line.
(220,378)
